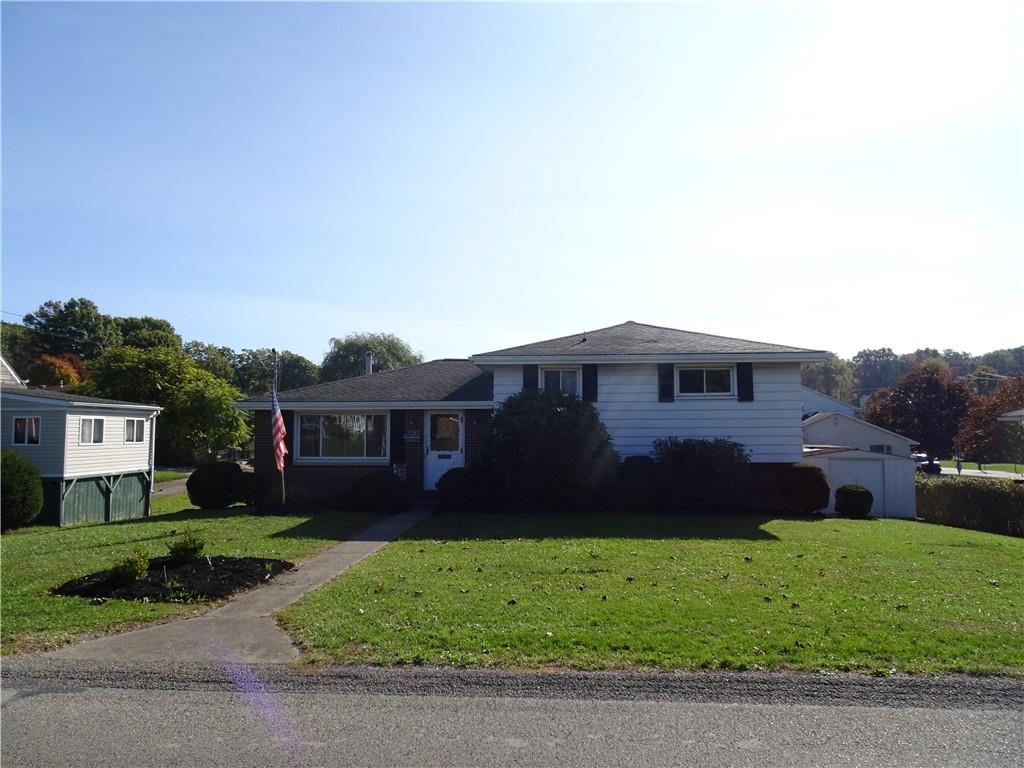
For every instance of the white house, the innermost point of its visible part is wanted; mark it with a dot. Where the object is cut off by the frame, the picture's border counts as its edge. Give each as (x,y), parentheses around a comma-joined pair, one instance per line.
(889,477)
(832,428)
(817,402)
(95,456)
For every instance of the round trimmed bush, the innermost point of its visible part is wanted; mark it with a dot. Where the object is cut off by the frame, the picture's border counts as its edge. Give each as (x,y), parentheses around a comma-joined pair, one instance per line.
(804,487)
(214,486)
(465,489)
(638,482)
(854,501)
(21,490)
(377,492)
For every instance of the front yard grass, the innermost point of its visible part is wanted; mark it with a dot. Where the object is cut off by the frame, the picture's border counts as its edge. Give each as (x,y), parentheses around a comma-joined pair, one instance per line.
(951,464)
(167,475)
(644,591)
(37,558)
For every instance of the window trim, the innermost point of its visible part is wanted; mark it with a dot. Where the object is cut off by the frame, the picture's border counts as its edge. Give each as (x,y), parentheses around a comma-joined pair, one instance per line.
(298,458)
(577,368)
(141,439)
(731,394)
(93,419)
(39,431)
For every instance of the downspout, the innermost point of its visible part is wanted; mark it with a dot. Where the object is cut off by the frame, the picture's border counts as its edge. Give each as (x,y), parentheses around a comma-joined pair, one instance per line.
(152,462)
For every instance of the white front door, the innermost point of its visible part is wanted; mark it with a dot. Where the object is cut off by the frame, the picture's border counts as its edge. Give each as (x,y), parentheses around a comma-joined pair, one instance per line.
(445,449)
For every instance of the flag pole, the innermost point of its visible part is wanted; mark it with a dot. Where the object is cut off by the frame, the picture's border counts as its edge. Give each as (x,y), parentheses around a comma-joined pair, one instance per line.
(283,496)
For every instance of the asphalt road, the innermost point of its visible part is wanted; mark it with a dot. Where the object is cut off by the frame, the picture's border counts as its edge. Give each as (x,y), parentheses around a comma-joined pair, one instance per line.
(74,714)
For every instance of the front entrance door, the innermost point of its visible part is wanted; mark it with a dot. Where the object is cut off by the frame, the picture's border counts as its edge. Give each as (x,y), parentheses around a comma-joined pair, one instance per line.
(444,443)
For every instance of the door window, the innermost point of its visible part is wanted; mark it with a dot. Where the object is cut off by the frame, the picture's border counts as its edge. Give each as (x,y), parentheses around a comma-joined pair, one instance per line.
(444,432)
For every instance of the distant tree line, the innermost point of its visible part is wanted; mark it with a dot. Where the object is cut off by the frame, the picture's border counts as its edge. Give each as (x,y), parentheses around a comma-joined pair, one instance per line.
(143,359)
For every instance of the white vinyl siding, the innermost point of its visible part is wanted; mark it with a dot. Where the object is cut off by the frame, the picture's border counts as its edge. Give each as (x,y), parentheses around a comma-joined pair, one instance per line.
(114,455)
(852,432)
(508,380)
(48,455)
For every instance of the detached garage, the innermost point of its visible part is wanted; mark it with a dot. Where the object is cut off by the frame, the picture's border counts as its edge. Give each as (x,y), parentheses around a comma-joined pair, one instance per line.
(889,478)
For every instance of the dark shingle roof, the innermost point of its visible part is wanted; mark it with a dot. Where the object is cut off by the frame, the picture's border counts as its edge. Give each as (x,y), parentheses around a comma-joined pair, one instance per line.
(67,397)
(632,338)
(435,381)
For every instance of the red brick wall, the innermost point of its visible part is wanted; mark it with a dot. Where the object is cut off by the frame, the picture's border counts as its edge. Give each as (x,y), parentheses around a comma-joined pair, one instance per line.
(414,451)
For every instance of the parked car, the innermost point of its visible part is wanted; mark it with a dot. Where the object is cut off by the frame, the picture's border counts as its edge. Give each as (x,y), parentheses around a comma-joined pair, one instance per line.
(922,463)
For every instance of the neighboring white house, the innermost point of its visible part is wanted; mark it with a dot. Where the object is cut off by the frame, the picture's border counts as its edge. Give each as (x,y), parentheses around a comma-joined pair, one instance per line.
(890,478)
(816,402)
(831,428)
(95,456)
(8,376)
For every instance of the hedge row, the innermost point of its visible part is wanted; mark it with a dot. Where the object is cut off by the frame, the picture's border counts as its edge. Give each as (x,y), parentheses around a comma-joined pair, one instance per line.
(982,504)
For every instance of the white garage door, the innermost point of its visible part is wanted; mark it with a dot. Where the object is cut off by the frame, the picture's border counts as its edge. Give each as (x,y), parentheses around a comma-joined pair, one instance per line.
(867,472)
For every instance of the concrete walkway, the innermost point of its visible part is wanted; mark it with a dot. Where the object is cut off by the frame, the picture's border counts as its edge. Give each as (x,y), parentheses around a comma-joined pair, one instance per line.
(243,630)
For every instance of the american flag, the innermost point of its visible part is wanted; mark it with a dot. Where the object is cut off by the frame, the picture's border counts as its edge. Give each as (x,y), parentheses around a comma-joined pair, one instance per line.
(278,433)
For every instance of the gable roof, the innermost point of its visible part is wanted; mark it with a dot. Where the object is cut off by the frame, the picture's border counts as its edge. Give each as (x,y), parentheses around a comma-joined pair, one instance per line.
(8,375)
(641,341)
(840,405)
(437,381)
(63,397)
(822,415)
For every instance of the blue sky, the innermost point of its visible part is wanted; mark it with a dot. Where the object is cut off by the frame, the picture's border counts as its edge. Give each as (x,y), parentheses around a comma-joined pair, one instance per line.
(475,176)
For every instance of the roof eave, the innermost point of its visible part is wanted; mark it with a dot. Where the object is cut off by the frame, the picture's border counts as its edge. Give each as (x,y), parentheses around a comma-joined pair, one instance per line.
(79,404)
(381,405)
(808,356)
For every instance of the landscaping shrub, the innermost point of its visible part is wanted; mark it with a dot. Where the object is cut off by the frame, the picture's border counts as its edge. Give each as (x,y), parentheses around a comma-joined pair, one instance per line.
(638,482)
(133,568)
(214,486)
(982,504)
(854,501)
(187,547)
(21,490)
(377,492)
(248,490)
(694,475)
(804,487)
(549,451)
(465,489)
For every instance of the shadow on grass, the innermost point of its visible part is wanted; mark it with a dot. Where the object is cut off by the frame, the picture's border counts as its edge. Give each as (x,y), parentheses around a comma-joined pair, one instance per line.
(612,525)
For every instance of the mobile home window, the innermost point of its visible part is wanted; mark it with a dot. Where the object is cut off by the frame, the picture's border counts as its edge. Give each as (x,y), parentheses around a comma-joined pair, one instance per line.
(705,381)
(343,436)
(91,431)
(134,430)
(26,430)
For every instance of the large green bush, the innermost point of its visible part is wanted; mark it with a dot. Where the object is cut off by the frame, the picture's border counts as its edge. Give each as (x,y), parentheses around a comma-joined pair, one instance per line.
(21,490)
(377,492)
(638,483)
(549,451)
(854,501)
(215,486)
(982,504)
(804,487)
(695,475)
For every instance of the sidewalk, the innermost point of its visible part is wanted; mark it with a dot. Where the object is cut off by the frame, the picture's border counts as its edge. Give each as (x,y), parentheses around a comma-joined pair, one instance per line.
(243,630)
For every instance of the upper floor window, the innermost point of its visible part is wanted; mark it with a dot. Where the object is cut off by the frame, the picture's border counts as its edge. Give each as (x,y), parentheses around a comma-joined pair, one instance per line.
(26,430)
(705,381)
(343,435)
(134,430)
(564,380)
(90,431)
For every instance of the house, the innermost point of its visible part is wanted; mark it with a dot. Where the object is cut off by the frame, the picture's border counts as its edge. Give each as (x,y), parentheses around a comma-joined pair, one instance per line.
(8,376)
(645,381)
(95,456)
(816,402)
(1013,417)
(833,428)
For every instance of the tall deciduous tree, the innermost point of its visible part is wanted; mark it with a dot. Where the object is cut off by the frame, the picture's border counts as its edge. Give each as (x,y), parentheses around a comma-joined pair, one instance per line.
(148,333)
(220,361)
(982,437)
(927,405)
(877,368)
(347,357)
(19,346)
(51,370)
(75,326)
(833,376)
(254,370)
(199,416)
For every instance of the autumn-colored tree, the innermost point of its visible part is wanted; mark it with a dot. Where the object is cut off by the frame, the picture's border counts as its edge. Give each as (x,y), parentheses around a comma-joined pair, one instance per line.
(982,437)
(52,371)
(927,405)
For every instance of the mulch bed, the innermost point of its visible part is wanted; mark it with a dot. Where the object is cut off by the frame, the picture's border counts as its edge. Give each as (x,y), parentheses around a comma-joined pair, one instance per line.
(171,581)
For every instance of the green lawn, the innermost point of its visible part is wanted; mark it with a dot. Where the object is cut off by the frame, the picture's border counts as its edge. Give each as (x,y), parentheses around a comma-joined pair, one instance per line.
(37,558)
(645,591)
(990,467)
(166,475)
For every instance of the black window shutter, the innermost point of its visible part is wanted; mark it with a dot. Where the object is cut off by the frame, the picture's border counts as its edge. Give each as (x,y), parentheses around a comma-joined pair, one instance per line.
(744,381)
(397,437)
(666,385)
(590,383)
(530,378)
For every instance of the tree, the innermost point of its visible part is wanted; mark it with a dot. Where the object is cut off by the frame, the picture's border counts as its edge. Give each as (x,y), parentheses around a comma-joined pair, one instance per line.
(74,326)
(220,361)
(982,437)
(20,347)
(347,357)
(148,333)
(50,370)
(877,368)
(926,405)
(1008,362)
(254,370)
(199,416)
(832,376)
